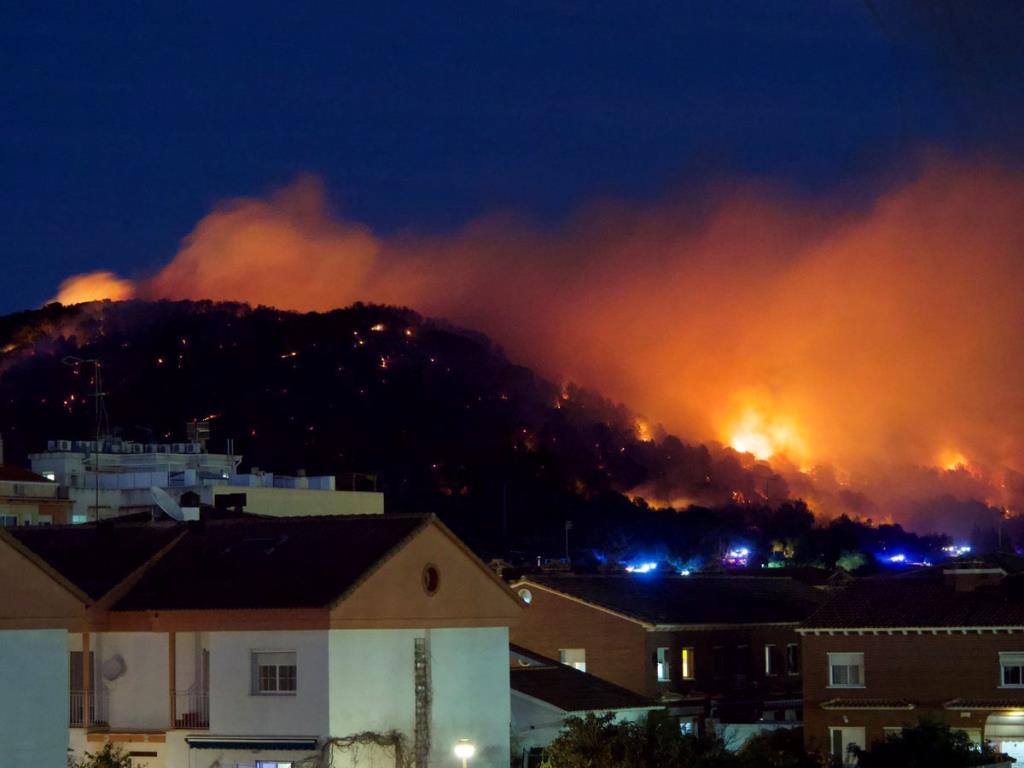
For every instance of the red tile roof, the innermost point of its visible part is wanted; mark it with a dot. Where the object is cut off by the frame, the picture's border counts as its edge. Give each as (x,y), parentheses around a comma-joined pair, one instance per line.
(696,599)
(921,599)
(570,689)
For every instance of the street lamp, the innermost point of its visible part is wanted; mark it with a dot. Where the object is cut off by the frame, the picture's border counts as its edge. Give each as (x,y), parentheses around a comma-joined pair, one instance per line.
(464,750)
(74,361)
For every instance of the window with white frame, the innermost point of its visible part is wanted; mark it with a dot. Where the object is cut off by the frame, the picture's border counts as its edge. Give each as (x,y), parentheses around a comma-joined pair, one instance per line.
(1011,667)
(574,657)
(661,664)
(840,741)
(274,672)
(846,670)
(686,664)
(792,658)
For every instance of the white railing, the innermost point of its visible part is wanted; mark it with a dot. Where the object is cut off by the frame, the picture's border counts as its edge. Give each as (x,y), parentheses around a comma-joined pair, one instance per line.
(192,708)
(97,708)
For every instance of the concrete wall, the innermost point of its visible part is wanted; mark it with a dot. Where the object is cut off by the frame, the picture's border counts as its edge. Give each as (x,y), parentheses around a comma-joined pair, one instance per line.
(234,709)
(138,698)
(372,688)
(33,698)
(297,502)
(472,700)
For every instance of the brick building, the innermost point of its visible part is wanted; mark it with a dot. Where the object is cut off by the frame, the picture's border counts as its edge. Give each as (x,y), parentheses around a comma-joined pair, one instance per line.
(943,644)
(723,647)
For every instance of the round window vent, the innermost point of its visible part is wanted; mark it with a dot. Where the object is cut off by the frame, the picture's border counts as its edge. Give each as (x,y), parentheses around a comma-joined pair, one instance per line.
(526,595)
(431,579)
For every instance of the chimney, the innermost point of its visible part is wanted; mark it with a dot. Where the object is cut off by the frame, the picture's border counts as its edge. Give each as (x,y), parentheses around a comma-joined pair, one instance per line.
(968,579)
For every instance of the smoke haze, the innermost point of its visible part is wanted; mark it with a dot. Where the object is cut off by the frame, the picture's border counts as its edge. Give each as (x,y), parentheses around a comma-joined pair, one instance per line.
(871,345)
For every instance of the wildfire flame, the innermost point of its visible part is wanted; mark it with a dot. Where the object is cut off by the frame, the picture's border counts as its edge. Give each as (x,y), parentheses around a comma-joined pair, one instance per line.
(885,331)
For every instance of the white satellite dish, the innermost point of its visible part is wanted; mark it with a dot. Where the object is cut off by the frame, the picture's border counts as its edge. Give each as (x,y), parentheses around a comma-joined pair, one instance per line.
(113,667)
(167,504)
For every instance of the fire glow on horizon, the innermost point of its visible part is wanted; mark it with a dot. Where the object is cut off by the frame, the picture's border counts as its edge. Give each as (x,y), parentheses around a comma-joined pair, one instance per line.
(810,334)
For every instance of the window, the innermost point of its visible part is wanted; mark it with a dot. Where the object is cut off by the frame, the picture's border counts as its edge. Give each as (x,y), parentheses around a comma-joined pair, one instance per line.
(846,670)
(1011,667)
(792,658)
(719,661)
(771,659)
(661,663)
(688,726)
(8,521)
(431,579)
(274,672)
(841,739)
(44,520)
(272,764)
(574,657)
(742,662)
(686,664)
(51,476)
(79,519)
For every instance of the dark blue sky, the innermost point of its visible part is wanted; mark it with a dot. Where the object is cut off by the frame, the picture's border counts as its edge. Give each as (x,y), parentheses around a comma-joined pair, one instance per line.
(122,124)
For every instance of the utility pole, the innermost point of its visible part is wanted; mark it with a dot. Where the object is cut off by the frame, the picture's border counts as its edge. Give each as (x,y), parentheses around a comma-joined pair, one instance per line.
(568,527)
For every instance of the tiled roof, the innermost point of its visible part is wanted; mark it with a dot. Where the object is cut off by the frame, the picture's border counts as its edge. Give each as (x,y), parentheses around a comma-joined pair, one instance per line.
(572,690)
(268,562)
(95,557)
(925,599)
(867,704)
(958,704)
(696,599)
(18,475)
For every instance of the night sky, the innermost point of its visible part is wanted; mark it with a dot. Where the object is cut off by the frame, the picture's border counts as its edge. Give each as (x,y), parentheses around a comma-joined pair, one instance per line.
(122,125)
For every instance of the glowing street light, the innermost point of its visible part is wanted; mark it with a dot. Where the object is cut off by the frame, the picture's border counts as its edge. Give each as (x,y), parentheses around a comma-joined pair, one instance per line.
(464,750)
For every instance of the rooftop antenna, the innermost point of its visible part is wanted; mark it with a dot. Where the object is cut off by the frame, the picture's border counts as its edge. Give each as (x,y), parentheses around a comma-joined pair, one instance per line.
(98,395)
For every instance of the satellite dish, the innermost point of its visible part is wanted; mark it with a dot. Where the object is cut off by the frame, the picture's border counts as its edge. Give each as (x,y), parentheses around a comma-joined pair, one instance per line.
(167,504)
(113,668)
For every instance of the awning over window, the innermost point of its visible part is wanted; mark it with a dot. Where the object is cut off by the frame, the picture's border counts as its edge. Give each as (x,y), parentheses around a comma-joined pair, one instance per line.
(251,742)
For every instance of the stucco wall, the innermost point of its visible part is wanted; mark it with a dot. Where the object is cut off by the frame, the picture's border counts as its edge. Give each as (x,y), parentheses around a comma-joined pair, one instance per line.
(296,502)
(139,697)
(233,707)
(33,698)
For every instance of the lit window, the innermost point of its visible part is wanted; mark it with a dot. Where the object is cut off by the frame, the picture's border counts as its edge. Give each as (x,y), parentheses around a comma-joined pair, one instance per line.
(793,658)
(840,741)
(771,660)
(661,661)
(846,670)
(51,476)
(574,657)
(272,764)
(274,672)
(686,664)
(1012,668)
(79,519)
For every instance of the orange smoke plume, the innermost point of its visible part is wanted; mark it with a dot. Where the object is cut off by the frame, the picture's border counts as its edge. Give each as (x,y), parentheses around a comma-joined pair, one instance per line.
(93,286)
(811,333)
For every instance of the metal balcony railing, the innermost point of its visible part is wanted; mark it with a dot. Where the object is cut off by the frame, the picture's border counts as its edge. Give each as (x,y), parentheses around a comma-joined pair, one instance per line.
(97,702)
(192,708)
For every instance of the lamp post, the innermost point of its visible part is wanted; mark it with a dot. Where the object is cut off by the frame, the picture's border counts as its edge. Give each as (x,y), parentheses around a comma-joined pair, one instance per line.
(74,361)
(464,750)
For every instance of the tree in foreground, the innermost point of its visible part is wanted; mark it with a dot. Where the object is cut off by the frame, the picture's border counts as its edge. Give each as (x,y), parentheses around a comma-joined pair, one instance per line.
(110,756)
(926,745)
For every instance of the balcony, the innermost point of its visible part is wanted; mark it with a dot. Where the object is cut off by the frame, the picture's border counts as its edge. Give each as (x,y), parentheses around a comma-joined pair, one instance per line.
(192,709)
(98,708)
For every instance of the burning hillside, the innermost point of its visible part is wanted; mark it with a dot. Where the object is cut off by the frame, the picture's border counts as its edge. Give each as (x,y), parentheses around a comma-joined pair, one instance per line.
(865,346)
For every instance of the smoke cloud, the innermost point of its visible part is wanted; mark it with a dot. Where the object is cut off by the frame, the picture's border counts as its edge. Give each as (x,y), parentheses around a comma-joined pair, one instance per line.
(872,345)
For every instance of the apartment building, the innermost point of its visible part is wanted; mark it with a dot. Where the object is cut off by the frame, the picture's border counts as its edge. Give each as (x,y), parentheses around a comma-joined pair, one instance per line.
(944,643)
(114,478)
(252,643)
(718,650)
(30,499)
